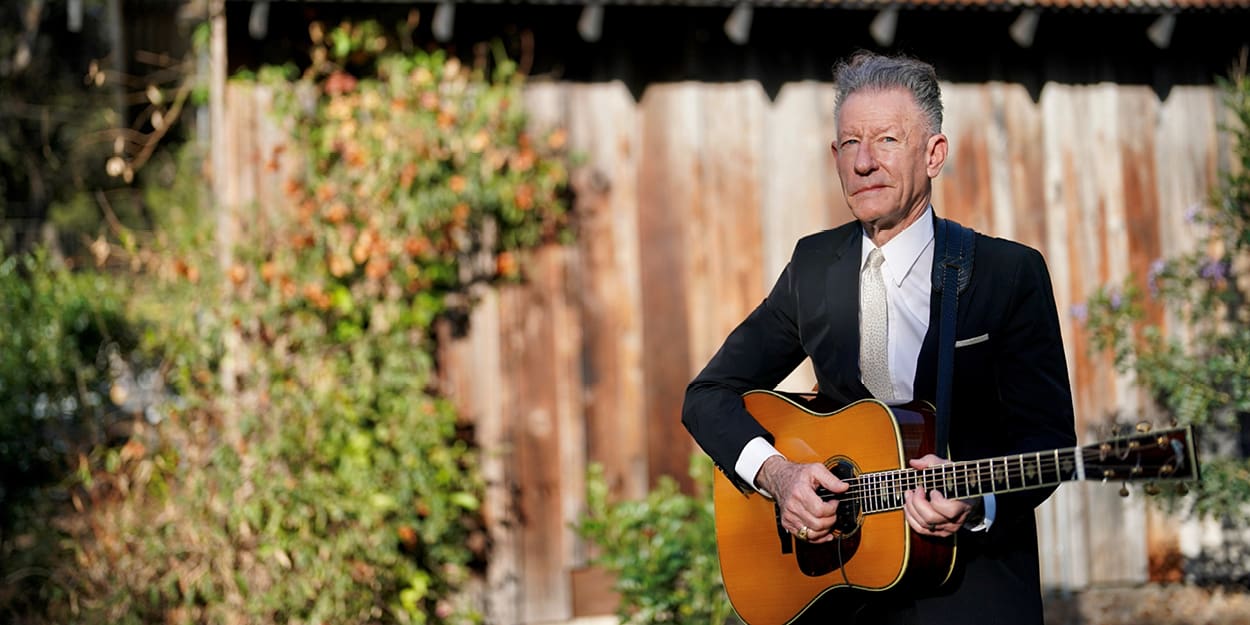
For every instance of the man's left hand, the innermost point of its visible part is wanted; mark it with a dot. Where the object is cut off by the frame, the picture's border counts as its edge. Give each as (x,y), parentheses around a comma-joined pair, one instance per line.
(932,514)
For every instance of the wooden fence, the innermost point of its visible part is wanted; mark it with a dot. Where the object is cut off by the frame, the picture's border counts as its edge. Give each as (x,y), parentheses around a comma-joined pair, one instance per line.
(688,205)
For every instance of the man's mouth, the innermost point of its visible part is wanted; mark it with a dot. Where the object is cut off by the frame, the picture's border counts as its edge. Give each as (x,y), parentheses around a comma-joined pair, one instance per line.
(868,189)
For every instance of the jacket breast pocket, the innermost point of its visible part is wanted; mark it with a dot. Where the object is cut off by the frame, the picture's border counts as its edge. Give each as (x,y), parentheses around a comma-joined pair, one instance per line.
(972,356)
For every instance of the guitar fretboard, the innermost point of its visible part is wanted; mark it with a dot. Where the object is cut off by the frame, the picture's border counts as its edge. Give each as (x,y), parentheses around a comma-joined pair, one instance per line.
(883,491)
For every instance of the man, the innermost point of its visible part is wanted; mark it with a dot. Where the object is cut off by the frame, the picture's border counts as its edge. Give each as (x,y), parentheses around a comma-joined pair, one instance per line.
(1010,392)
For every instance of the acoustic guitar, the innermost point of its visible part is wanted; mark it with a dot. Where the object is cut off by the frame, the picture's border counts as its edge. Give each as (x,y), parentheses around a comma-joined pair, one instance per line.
(771,578)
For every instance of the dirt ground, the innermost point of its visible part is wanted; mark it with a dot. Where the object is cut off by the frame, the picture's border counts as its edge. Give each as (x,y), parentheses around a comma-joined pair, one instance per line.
(1151,604)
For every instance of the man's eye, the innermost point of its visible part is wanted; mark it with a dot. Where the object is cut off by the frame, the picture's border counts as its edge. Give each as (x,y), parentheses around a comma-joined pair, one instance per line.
(850,142)
(889,139)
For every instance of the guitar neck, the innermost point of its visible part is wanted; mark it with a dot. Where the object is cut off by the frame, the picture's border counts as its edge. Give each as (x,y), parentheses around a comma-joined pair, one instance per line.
(883,491)
(1159,455)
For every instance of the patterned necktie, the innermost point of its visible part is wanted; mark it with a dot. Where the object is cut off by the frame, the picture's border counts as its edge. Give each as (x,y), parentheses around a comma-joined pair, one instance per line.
(874,362)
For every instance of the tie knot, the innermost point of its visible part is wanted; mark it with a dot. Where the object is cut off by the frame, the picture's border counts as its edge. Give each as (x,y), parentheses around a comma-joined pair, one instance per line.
(875,258)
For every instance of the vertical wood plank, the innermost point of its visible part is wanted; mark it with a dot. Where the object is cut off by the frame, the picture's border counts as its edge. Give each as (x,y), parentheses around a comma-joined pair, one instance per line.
(801,191)
(670,190)
(1063,522)
(723,236)
(603,126)
(535,320)
(473,378)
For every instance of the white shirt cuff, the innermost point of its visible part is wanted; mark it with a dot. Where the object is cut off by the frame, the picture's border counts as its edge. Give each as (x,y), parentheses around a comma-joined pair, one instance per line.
(752,458)
(991,510)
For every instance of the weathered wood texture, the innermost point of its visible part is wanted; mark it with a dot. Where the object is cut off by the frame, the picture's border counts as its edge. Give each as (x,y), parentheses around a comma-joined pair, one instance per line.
(688,204)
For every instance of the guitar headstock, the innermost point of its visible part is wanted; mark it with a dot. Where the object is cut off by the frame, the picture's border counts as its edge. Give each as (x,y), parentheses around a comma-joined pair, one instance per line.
(1168,454)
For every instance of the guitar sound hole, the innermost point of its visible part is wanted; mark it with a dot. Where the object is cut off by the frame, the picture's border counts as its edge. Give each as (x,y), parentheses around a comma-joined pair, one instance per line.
(849,512)
(824,558)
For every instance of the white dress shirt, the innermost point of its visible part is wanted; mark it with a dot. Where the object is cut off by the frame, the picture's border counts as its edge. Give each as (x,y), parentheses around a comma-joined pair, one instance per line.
(908,287)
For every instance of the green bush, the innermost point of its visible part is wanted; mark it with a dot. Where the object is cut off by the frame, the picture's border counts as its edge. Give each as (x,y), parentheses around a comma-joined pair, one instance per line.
(65,337)
(662,550)
(61,329)
(1200,371)
(306,469)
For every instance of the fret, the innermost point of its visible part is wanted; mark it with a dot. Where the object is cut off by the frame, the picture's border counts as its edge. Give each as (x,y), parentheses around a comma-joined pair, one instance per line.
(1069,468)
(877,494)
(870,500)
(1058,475)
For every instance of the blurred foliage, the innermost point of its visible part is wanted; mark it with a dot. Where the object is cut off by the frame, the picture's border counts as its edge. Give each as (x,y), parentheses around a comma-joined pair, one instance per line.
(75,133)
(1200,371)
(63,335)
(302,467)
(662,550)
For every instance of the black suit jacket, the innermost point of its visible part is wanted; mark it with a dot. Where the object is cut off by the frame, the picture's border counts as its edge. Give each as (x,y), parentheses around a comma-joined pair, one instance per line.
(1010,394)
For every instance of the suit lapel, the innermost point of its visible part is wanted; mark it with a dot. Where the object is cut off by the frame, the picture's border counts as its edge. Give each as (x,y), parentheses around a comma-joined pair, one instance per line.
(925,384)
(842,301)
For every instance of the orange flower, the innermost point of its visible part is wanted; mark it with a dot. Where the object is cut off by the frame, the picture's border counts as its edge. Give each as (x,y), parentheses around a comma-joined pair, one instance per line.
(238,274)
(340,83)
(378,268)
(417,246)
(524,197)
(301,241)
(457,183)
(460,213)
(340,265)
(407,175)
(354,156)
(316,296)
(408,536)
(268,271)
(506,264)
(363,246)
(336,213)
(524,160)
(557,138)
(326,191)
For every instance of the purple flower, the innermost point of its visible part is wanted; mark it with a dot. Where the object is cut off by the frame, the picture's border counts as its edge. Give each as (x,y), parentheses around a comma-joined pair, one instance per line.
(1080,312)
(1191,213)
(1214,270)
(1152,277)
(1115,299)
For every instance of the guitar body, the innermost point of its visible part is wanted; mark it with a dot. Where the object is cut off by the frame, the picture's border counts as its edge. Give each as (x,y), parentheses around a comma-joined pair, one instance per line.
(772,578)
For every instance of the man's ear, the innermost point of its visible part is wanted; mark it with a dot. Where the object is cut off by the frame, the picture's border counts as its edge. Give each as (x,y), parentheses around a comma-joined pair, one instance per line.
(833,147)
(936,153)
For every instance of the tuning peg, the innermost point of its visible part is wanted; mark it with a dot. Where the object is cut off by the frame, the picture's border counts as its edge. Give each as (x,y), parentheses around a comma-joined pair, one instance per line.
(1182,489)
(1124,489)
(1143,427)
(1151,489)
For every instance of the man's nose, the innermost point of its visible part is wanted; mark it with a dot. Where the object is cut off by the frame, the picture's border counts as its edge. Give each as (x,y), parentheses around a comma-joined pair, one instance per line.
(865,159)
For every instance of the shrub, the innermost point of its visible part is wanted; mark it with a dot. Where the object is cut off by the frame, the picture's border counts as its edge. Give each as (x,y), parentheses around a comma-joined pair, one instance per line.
(1201,371)
(307,470)
(662,550)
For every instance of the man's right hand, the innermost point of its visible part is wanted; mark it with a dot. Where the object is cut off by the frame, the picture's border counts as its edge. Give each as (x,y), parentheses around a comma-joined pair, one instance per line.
(794,486)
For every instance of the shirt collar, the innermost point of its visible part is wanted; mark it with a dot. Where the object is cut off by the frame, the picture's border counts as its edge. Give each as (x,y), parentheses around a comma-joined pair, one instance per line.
(904,250)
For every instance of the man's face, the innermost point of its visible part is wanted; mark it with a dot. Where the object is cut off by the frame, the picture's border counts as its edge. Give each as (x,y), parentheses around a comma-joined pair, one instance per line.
(886,156)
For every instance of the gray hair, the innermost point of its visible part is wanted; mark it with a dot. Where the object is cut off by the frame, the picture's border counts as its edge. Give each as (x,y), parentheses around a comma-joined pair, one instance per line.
(875,72)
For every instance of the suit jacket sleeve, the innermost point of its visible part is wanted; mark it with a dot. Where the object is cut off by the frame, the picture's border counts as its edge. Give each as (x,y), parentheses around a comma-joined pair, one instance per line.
(759,353)
(1031,377)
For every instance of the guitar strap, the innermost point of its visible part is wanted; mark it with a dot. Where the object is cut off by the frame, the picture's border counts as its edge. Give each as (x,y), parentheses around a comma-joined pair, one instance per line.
(951,276)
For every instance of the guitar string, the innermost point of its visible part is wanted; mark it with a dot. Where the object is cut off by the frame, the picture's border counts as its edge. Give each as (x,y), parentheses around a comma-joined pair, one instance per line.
(887,486)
